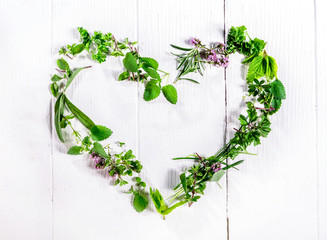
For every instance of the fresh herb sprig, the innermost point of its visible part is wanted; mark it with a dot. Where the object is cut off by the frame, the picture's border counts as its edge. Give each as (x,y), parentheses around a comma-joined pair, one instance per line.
(137,68)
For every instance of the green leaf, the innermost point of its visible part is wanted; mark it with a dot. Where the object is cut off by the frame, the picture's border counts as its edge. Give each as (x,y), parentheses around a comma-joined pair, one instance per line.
(77,49)
(153,73)
(123,76)
(71,78)
(256,69)
(277,89)
(170,209)
(75,150)
(180,48)
(56,78)
(217,176)
(130,62)
(100,133)
(54,89)
(233,165)
(276,104)
(97,148)
(243,120)
(62,64)
(184,183)
(158,200)
(272,65)
(189,79)
(59,110)
(151,62)
(170,93)
(151,91)
(85,120)
(140,202)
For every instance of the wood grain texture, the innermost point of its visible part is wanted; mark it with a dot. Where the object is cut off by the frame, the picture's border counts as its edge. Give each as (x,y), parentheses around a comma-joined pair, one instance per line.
(321,87)
(25,162)
(47,194)
(274,194)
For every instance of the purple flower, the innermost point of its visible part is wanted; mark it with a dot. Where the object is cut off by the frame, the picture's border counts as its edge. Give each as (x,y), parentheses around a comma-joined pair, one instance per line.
(224,61)
(194,41)
(216,167)
(99,161)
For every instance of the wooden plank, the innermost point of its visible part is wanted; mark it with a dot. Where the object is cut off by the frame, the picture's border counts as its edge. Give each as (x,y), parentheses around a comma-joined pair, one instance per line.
(273,196)
(86,205)
(321,51)
(194,124)
(25,165)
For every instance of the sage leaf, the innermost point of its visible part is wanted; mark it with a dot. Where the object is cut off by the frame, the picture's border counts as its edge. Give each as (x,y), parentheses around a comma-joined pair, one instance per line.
(85,120)
(217,176)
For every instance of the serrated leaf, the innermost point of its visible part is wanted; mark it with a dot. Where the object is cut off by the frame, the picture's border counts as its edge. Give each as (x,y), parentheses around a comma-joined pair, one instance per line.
(56,78)
(100,133)
(123,76)
(59,110)
(54,89)
(140,202)
(276,104)
(277,89)
(151,91)
(170,93)
(256,69)
(151,62)
(97,148)
(75,150)
(71,78)
(272,67)
(85,120)
(78,49)
(130,62)
(217,176)
(62,64)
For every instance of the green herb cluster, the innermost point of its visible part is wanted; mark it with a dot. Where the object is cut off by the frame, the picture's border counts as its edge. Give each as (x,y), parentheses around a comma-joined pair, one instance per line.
(140,69)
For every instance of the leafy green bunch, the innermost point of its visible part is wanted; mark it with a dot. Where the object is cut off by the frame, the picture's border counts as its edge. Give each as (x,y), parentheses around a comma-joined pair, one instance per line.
(266,93)
(140,69)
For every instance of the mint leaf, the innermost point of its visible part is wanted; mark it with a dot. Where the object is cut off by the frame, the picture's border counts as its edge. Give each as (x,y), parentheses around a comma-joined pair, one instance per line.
(56,78)
(170,93)
(54,89)
(62,64)
(256,69)
(276,104)
(75,150)
(77,49)
(140,202)
(151,91)
(100,133)
(130,62)
(151,62)
(153,73)
(97,148)
(217,176)
(277,89)
(123,76)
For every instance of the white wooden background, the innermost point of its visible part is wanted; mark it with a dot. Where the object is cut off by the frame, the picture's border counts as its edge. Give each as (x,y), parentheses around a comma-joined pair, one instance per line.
(46,194)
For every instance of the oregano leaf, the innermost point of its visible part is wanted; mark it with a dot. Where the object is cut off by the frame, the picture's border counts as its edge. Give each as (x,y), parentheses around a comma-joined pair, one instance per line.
(100,133)
(151,91)
(62,64)
(130,62)
(170,93)
(140,202)
(75,150)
